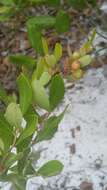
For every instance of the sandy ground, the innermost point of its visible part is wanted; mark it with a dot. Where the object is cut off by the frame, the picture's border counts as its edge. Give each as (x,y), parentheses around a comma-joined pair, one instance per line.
(81,141)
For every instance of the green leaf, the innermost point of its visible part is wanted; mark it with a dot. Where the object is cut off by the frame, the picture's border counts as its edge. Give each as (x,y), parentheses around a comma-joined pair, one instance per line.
(50,128)
(30,128)
(50,60)
(35,37)
(6,134)
(45,78)
(7,2)
(42,22)
(22,60)
(40,96)
(56,91)
(85,61)
(51,168)
(6,13)
(41,67)
(58,51)
(35,26)
(14,115)
(25,92)
(62,22)
(4,9)
(45,46)
(53,2)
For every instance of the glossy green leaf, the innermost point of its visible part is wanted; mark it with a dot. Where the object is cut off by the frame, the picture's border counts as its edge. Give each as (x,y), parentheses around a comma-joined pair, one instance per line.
(62,22)
(22,60)
(50,60)
(30,128)
(45,78)
(35,37)
(56,91)
(51,168)
(25,93)
(58,51)
(42,22)
(45,46)
(40,96)
(50,128)
(6,132)
(41,67)
(53,2)
(13,115)
(4,9)
(7,2)
(35,26)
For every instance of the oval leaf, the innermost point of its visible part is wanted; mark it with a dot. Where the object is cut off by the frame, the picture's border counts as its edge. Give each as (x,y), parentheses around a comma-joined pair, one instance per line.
(45,78)
(40,96)
(6,134)
(14,115)
(22,60)
(58,51)
(50,60)
(62,17)
(51,168)
(50,128)
(25,92)
(56,91)
(85,61)
(45,46)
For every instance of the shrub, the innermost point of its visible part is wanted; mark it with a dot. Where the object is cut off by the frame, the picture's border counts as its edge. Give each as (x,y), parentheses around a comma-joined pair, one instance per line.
(38,90)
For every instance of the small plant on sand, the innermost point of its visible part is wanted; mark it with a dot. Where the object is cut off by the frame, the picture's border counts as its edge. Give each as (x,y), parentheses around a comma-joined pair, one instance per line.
(28,119)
